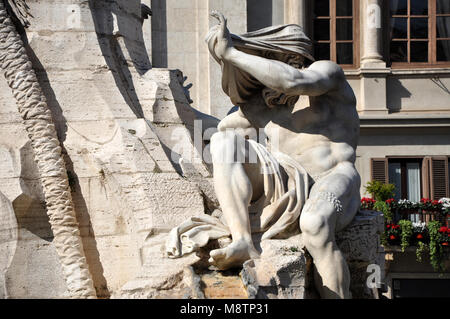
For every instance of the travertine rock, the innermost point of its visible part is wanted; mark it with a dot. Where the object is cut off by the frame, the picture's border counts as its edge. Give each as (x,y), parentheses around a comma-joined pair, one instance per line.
(117,121)
(361,245)
(161,277)
(282,271)
(37,119)
(285,271)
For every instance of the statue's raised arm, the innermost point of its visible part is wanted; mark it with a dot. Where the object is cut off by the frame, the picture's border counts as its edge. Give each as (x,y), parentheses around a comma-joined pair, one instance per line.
(270,57)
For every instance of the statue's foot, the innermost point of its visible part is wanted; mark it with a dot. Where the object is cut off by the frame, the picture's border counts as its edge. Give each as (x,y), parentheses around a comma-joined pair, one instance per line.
(234,255)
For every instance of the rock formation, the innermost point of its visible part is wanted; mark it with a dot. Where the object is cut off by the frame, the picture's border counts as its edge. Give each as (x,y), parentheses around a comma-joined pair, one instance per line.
(38,122)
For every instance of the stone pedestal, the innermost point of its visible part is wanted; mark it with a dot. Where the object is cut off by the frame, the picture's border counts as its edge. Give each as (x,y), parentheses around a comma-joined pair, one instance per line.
(361,245)
(285,270)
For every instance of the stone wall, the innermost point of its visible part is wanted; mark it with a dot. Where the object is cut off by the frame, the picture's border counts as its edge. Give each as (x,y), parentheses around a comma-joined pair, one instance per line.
(116,120)
(179,29)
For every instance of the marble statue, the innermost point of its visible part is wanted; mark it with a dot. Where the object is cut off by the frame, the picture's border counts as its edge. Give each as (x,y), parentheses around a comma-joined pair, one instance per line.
(146,12)
(308,182)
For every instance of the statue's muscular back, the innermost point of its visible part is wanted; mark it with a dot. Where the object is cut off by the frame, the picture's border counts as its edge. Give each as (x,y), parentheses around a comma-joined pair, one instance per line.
(319,136)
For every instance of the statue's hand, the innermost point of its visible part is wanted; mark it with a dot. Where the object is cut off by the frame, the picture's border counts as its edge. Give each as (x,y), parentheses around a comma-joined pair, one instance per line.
(224,43)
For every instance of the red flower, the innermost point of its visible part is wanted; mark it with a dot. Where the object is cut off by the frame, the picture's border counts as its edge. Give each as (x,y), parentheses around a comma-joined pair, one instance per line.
(392,237)
(445,243)
(435,202)
(388,226)
(443,229)
(389,201)
(419,236)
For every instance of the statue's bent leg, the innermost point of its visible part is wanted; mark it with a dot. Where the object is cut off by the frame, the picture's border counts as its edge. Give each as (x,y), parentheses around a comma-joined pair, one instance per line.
(331,199)
(233,180)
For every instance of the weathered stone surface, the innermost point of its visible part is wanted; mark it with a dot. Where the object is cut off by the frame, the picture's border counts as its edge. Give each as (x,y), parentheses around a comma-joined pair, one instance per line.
(280,273)
(361,245)
(360,241)
(222,285)
(161,277)
(92,64)
(285,270)
(29,265)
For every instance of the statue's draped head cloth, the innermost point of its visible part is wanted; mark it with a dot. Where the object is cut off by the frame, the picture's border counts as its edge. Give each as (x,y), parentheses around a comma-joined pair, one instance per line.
(288,40)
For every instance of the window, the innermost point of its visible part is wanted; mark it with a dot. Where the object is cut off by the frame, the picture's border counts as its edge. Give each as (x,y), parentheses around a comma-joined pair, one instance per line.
(419,32)
(414,177)
(263,13)
(405,174)
(335,31)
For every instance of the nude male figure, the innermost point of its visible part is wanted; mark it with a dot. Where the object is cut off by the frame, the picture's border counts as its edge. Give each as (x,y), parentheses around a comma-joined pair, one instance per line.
(321,137)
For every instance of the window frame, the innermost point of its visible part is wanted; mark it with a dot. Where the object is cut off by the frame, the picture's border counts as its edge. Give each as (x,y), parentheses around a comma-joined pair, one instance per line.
(432,38)
(333,42)
(403,160)
(428,184)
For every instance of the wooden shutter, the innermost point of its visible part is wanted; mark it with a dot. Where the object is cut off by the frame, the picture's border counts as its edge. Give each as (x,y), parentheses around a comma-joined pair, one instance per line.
(426,177)
(439,177)
(379,168)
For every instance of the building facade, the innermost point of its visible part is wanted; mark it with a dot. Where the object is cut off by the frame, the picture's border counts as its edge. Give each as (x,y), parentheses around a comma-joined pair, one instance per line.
(395,54)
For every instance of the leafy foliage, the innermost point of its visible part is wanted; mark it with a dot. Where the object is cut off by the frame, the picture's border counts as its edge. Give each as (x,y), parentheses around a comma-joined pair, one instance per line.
(385,209)
(436,250)
(380,191)
(421,248)
(406,233)
(433,237)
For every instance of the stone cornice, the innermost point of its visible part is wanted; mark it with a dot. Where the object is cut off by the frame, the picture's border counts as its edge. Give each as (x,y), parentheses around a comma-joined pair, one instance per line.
(404,121)
(373,71)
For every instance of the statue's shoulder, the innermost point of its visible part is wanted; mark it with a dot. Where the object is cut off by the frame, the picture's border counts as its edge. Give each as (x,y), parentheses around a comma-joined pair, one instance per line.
(327,68)
(334,77)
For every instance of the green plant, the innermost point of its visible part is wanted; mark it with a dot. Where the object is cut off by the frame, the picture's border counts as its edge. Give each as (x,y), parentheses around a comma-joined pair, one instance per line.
(436,250)
(406,233)
(385,209)
(380,191)
(421,248)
